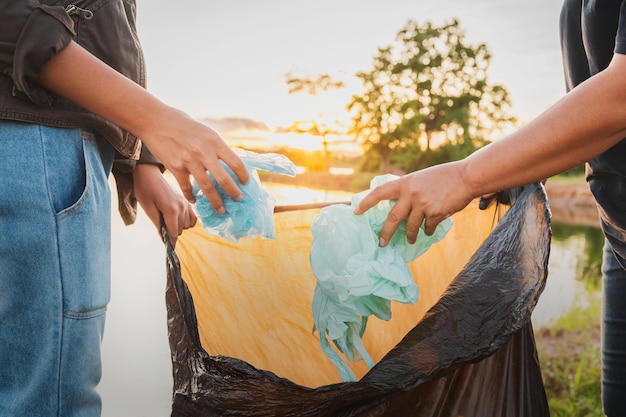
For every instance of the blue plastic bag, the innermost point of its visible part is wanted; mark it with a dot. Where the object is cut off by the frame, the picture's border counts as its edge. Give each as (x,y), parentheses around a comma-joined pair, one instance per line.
(253,215)
(357,278)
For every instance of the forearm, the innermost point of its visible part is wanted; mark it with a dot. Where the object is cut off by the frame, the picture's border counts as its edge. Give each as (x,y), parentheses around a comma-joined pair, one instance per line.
(586,122)
(79,76)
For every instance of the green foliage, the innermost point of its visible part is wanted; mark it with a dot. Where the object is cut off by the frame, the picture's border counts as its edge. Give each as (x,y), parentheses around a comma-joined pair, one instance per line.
(577,172)
(370,162)
(428,90)
(573,386)
(570,359)
(571,370)
(575,176)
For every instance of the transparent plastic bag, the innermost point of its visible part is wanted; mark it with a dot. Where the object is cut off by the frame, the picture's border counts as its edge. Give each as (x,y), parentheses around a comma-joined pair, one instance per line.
(356,278)
(253,215)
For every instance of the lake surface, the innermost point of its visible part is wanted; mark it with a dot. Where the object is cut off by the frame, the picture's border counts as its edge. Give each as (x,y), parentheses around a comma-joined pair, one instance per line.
(136,357)
(574,275)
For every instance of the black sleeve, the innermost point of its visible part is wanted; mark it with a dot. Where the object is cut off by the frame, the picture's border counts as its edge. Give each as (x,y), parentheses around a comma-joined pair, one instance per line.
(620,39)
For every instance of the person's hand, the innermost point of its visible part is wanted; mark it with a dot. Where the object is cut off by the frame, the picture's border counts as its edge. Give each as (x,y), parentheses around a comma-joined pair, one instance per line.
(430,195)
(156,196)
(190,148)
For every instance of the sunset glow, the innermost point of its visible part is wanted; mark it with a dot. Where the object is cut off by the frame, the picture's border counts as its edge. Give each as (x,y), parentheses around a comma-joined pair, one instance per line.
(261,139)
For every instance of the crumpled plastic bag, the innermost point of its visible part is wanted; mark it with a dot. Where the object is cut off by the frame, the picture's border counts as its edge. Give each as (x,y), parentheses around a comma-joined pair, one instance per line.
(251,216)
(357,278)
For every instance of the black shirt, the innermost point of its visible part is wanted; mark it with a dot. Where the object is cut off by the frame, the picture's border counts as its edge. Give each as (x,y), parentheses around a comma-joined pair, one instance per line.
(591,32)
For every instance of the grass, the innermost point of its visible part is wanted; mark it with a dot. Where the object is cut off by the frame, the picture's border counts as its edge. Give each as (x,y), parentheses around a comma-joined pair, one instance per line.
(569,353)
(569,178)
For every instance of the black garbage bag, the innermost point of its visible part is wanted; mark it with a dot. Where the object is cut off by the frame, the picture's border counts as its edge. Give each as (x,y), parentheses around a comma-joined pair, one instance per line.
(473,354)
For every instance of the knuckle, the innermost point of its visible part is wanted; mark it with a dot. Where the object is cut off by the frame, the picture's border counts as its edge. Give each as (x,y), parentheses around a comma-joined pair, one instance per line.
(207,184)
(221,178)
(393,217)
(376,191)
(237,165)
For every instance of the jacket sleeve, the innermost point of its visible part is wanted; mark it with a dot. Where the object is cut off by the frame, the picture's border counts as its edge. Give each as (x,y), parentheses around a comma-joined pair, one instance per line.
(31,34)
(123,173)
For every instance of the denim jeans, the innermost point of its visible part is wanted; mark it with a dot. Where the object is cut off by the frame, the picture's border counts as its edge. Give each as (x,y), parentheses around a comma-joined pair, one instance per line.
(54,269)
(613,335)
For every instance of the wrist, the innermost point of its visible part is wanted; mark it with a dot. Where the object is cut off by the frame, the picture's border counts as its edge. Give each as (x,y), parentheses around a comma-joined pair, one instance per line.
(144,170)
(469,172)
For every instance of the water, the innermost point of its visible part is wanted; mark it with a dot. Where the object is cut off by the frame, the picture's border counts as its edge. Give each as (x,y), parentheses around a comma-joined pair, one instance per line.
(136,359)
(135,351)
(574,275)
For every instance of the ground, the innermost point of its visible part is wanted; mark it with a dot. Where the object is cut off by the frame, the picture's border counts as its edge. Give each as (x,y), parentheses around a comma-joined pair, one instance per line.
(568,343)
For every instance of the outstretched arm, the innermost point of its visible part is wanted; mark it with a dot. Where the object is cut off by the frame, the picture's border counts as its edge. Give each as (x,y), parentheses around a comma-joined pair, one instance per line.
(587,121)
(185,146)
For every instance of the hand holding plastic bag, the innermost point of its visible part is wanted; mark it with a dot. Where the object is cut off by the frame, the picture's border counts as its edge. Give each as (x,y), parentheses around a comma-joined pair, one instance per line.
(356,277)
(253,214)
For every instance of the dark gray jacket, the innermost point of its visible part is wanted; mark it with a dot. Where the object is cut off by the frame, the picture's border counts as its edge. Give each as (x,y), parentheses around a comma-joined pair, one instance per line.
(33,31)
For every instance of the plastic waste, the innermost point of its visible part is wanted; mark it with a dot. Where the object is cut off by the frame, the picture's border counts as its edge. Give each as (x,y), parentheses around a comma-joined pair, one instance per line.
(356,278)
(473,353)
(252,215)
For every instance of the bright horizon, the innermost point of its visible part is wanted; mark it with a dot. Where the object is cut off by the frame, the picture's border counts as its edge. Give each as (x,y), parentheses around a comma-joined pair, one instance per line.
(226,63)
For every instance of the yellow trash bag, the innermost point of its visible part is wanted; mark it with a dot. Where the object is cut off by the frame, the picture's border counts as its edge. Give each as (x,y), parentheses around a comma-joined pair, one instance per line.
(240,324)
(253,298)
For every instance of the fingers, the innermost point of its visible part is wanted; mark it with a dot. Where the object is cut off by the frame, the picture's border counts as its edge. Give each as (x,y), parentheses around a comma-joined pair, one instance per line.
(414,219)
(238,167)
(406,208)
(386,191)
(210,192)
(413,224)
(207,185)
(396,215)
(431,223)
(185,186)
(224,180)
(202,155)
(179,219)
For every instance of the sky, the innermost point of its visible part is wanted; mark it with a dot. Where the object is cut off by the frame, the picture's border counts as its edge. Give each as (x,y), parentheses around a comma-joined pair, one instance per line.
(228,59)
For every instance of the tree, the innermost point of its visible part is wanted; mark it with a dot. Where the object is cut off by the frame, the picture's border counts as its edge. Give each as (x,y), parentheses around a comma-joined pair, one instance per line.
(428,90)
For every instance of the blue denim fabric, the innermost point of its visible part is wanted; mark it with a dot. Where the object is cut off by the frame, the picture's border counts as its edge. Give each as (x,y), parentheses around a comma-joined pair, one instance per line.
(613,335)
(54,269)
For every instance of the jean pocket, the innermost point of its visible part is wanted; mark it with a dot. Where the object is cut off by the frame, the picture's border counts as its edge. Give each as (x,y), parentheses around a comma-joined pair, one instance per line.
(83,225)
(65,163)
